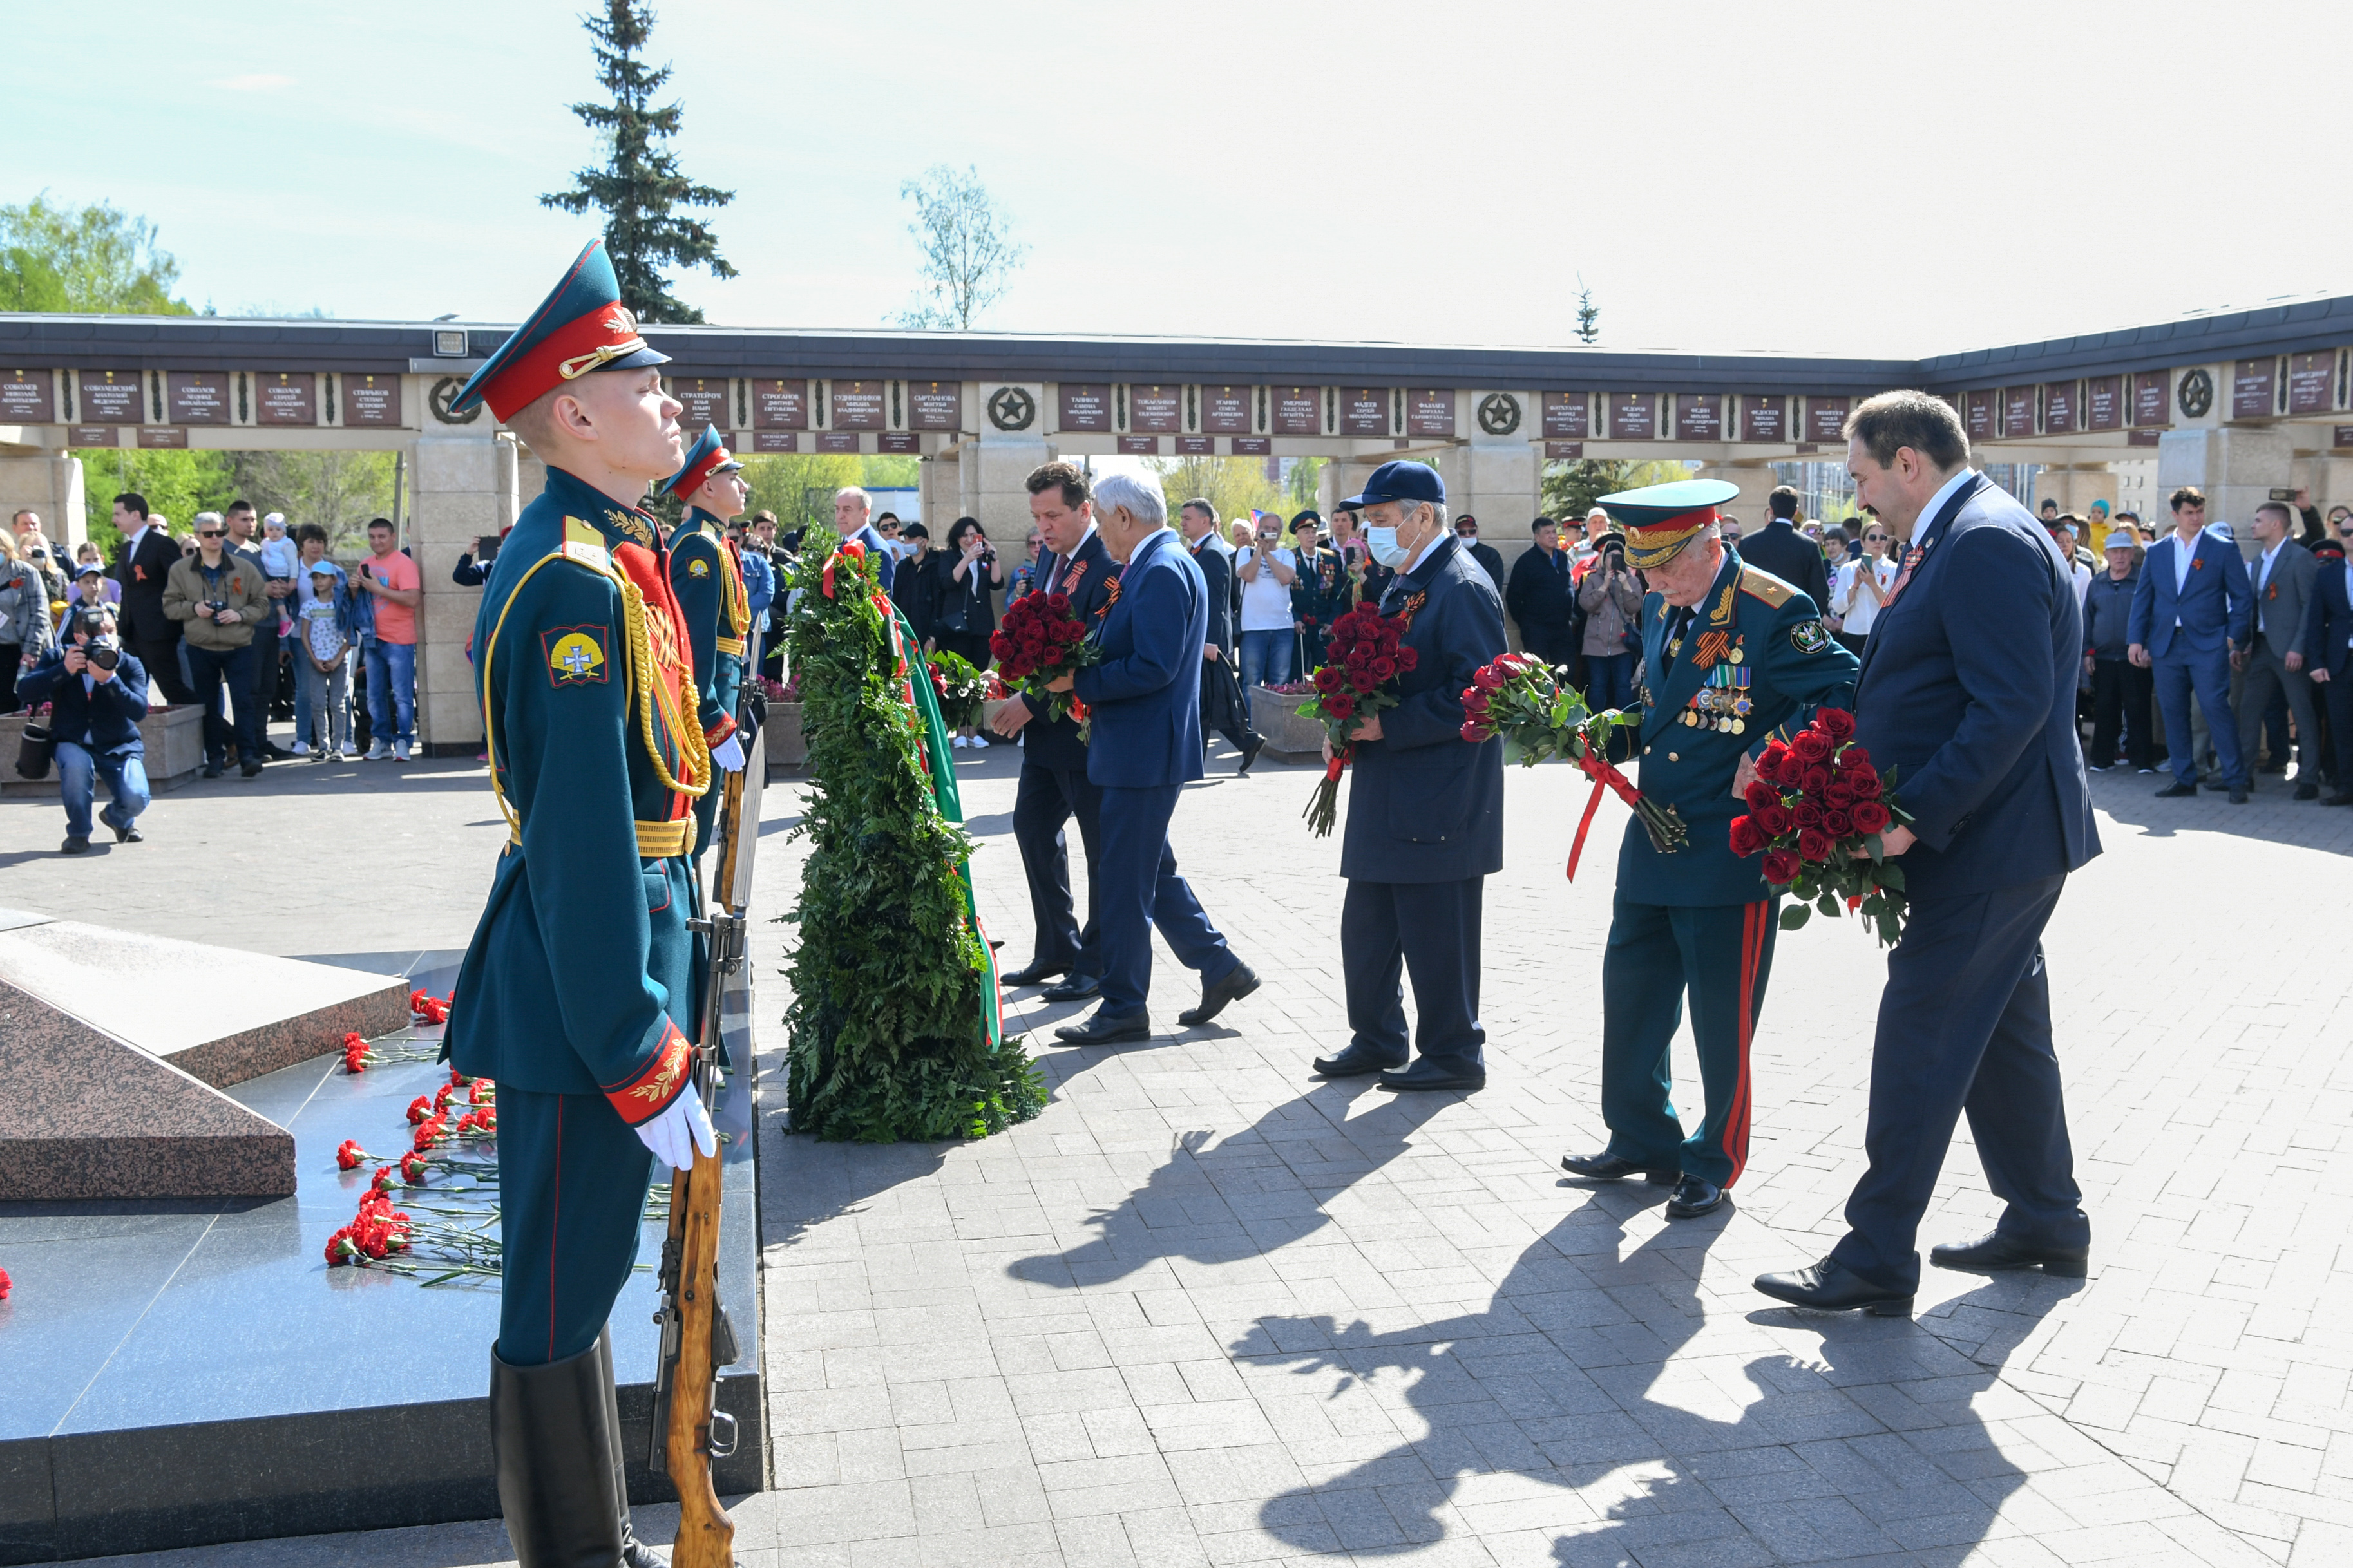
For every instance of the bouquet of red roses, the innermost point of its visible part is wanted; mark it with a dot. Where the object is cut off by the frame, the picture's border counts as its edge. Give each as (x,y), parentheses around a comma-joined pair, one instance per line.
(1816,813)
(1038,643)
(1521,700)
(1364,652)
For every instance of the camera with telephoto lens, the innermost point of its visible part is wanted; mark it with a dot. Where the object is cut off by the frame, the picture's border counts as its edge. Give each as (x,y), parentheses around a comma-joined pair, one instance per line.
(104,649)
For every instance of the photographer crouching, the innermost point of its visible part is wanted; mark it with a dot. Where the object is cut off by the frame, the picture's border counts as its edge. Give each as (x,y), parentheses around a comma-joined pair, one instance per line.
(97,694)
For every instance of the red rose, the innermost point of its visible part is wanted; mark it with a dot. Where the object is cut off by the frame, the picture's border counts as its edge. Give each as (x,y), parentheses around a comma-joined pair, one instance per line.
(1339,706)
(1781,868)
(1853,760)
(1776,820)
(1747,839)
(1384,668)
(1815,781)
(1838,824)
(1487,680)
(1473,733)
(1808,813)
(1058,605)
(1071,631)
(1406,658)
(1866,786)
(1474,700)
(1835,722)
(1760,795)
(1813,844)
(1001,645)
(1870,816)
(1841,793)
(1811,745)
(1776,754)
(1327,679)
(1363,681)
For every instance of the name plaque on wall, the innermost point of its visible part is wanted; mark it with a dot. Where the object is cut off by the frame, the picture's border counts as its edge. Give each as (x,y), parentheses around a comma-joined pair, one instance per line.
(780,405)
(1699,416)
(2343,437)
(1252,447)
(196,397)
(1298,411)
(2059,408)
(1157,409)
(935,405)
(856,405)
(837,441)
(93,435)
(1633,416)
(1560,451)
(371,402)
(2018,411)
(2309,379)
(776,441)
(1980,415)
(1364,411)
(1763,419)
(2103,402)
(899,441)
(706,404)
(1226,410)
(1139,446)
(286,397)
(1195,446)
(164,438)
(111,396)
(1568,415)
(2152,398)
(2253,381)
(27,397)
(1085,405)
(1430,411)
(1826,420)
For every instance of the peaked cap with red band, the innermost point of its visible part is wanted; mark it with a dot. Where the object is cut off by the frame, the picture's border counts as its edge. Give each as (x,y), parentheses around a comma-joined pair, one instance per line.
(580,327)
(1660,520)
(708,456)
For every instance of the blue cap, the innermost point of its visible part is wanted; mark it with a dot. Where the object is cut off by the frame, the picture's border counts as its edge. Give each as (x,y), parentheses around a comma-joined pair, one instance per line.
(1410,482)
(581,326)
(708,456)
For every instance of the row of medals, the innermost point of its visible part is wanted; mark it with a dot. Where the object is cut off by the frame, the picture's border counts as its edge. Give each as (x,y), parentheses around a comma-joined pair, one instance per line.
(1724,709)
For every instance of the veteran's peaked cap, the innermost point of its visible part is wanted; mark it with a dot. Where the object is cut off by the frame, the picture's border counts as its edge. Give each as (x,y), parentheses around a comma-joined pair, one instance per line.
(581,326)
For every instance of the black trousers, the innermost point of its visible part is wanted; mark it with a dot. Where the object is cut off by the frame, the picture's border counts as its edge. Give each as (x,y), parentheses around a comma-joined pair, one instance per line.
(2121,696)
(2337,696)
(1965,1026)
(161,657)
(232,667)
(1044,801)
(1430,930)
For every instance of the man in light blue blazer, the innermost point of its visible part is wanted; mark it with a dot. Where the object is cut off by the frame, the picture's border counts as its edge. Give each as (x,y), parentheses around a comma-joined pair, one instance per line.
(1145,715)
(2191,615)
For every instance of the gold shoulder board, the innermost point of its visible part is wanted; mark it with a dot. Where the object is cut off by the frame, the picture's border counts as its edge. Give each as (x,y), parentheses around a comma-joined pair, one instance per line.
(1765,586)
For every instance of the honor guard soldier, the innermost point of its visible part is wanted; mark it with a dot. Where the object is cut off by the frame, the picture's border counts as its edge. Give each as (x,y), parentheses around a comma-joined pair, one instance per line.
(1732,658)
(575,990)
(706,576)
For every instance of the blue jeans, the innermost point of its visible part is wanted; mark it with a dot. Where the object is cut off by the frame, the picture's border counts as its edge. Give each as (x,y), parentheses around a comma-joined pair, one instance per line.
(392,684)
(1609,680)
(1266,658)
(78,770)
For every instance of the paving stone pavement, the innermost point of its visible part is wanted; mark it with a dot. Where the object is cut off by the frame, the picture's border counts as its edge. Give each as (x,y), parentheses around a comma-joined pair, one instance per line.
(1208,1311)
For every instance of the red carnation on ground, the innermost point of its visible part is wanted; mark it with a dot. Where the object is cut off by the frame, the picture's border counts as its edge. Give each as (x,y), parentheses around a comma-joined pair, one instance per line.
(412,1167)
(6,1284)
(349,1156)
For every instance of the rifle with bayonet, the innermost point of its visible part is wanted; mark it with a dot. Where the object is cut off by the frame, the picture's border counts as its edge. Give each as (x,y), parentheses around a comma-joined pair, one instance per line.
(689,1428)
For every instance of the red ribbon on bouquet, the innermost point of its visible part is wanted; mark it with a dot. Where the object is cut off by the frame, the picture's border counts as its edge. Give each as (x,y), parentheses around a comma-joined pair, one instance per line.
(1603,777)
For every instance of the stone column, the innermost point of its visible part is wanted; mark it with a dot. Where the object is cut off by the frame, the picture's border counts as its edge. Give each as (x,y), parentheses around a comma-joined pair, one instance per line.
(996,466)
(464,487)
(940,482)
(51,484)
(2237,468)
(1756,481)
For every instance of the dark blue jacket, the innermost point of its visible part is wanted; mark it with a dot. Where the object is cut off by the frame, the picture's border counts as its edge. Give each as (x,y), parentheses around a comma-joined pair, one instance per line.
(2328,622)
(880,549)
(1968,690)
(2215,604)
(1422,806)
(2108,614)
(104,718)
(1145,695)
(1054,743)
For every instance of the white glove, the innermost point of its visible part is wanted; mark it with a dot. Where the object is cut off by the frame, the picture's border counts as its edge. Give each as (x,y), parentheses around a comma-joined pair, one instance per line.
(682,1128)
(729,755)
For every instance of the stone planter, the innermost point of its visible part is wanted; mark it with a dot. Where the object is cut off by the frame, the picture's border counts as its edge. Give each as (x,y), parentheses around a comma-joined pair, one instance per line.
(174,737)
(786,747)
(1288,736)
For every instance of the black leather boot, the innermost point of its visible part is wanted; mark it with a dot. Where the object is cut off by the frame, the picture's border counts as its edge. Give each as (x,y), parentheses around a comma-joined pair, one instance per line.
(558,1461)
(635,1554)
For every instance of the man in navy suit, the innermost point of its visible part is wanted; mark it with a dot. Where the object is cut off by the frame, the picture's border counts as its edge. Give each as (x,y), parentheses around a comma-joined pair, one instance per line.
(2191,615)
(1145,701)
(1054,786)
(1425,812)
(2329,656)
(1968,693)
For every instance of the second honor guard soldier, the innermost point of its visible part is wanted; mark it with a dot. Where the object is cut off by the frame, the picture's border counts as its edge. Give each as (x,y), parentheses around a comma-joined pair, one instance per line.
(707,578)
(576,988)
(1732,658)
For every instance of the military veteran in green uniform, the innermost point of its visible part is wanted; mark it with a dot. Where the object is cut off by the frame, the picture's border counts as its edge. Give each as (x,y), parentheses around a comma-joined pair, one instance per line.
(1732,657)
(577,989)
(707,576)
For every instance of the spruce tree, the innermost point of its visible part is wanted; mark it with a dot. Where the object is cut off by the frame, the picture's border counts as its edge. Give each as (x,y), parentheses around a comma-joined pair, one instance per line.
(895,1032)
(640,188)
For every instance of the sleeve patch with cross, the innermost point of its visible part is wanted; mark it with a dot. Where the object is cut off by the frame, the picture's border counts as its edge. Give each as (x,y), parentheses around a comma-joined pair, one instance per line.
(577,656)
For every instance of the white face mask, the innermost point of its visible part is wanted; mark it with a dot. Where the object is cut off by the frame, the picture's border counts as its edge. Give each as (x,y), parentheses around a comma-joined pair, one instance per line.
(1383,543)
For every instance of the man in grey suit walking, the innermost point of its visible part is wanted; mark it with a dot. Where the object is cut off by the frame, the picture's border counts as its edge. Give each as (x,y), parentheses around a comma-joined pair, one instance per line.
(2273,662)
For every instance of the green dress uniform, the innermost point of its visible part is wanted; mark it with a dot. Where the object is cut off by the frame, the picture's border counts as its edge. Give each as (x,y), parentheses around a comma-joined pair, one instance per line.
(706,576)
(575,991)
(1749,662)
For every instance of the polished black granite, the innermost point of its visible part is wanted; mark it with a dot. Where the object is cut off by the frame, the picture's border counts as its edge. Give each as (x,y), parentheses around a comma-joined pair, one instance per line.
(175,1373)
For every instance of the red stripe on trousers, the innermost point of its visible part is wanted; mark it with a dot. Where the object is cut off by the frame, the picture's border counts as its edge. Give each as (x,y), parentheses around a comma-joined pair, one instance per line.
(1752,954)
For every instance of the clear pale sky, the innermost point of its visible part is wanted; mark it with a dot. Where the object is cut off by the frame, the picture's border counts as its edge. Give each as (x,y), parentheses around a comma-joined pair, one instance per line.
(1829,178)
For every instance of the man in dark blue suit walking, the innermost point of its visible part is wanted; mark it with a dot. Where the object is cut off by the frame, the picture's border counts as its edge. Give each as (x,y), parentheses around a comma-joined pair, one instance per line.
(2190,616)
(1145,705)
(1968,692)
(1425,812)
(2328,655)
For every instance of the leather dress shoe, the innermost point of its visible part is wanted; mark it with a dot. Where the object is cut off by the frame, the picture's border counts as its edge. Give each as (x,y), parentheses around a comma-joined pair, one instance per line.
(76,845)
(1032,974)
(2177,791)
(1427,1074)
(1830,1286)
(1076,988)
(2237,794)
(1251,749)
(2307,792)
(1608,1167)
(2342,797)
(1998,1254)
(1694,1197)
(1232,987)
(1102,1029)
(1354,1062)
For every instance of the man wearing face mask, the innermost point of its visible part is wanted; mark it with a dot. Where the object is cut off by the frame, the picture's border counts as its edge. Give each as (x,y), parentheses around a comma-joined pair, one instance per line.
(1732,658)
(1425,812)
